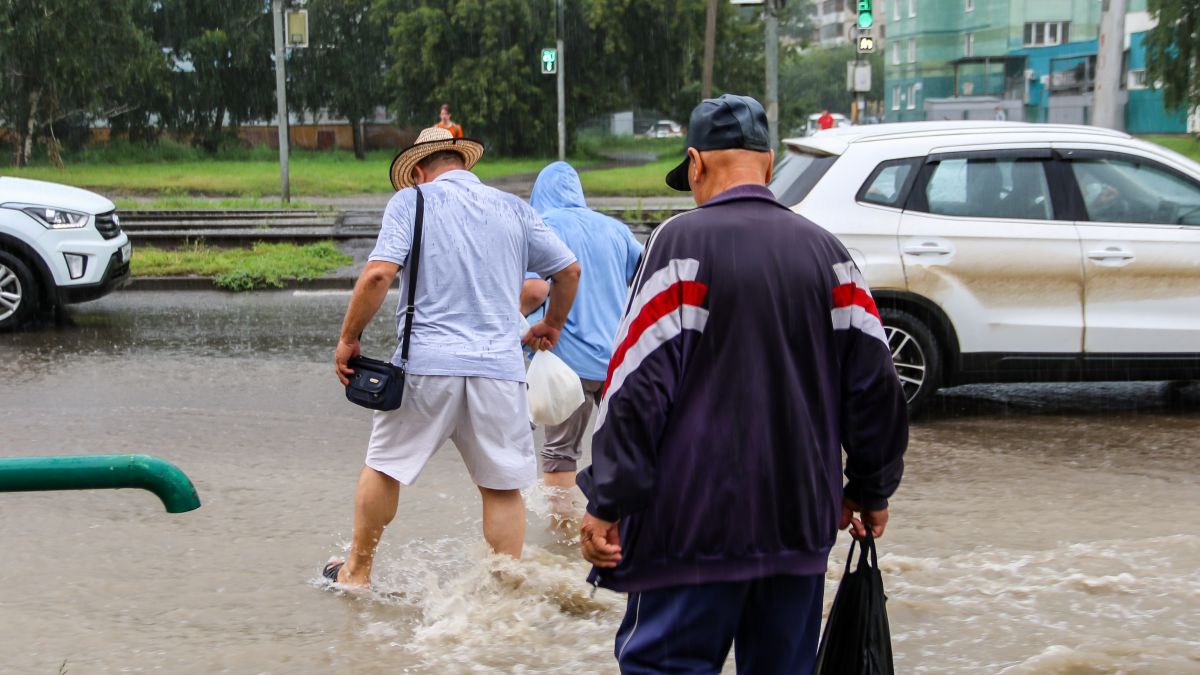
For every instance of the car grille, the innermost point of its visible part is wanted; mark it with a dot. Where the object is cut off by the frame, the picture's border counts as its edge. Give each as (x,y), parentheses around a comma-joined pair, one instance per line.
(108,225)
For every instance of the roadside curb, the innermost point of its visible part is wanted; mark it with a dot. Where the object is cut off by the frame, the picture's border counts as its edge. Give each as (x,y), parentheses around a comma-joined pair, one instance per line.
(196,283)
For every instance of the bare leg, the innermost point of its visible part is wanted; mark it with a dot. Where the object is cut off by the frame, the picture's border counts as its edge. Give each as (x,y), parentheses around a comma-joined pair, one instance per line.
(504,520)
(560,493)
(374,507)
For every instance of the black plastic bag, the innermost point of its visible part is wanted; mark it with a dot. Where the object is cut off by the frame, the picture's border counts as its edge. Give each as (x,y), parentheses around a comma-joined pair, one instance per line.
(857,639)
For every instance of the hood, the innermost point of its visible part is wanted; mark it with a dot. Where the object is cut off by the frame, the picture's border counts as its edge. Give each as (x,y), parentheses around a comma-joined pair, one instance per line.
(42,193)
(557,187)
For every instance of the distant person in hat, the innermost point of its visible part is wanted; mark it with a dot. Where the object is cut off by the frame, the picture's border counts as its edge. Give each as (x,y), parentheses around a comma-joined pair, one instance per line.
(445,123)
(749,356)
(466,374)
(609,254)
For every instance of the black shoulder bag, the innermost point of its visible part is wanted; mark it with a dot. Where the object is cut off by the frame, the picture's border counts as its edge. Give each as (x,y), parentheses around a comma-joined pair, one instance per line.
(376,384)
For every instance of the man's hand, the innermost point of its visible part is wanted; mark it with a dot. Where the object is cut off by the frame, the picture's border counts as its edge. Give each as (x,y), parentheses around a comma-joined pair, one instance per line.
(542,336)
(600,541)
(346,350)
(876,520)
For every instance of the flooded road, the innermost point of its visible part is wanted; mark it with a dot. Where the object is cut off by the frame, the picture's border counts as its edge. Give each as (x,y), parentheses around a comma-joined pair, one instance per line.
(1039,529)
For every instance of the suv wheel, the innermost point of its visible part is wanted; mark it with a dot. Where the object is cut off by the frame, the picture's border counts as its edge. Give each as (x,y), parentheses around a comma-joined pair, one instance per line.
(916,355)
(18,292)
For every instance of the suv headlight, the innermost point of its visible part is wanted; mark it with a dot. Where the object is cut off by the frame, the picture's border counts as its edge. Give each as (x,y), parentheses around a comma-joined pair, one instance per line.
(56,219)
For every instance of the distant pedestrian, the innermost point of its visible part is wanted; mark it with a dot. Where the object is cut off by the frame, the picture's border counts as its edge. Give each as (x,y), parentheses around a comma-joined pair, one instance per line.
(750,355)
(825,121)
(466,374)
(609,254)
(1000,114)
(444,122)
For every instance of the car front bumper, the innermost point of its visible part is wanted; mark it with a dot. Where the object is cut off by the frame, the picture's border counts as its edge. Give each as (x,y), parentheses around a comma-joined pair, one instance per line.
(116,275)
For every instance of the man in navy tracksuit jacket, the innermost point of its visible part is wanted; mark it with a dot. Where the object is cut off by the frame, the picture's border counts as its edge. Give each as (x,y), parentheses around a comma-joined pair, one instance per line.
(750,355)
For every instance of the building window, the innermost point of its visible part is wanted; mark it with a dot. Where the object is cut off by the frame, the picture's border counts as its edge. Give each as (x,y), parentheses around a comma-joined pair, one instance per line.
(912,96)
(912,8)
(970,5)
(969,45)
(895,53)
(1137,79)
(912,50)
(895,97)
(896,10)
(1039,33)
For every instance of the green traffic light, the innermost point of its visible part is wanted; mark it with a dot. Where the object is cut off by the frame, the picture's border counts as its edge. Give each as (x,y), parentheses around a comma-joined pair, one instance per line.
(865,20)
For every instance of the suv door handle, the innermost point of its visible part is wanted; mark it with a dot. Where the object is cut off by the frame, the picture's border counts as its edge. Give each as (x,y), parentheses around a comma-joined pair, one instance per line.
(1111,254)
(926,248)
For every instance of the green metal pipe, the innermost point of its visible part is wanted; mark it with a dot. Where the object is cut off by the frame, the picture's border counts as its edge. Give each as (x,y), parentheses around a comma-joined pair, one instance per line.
(98,472)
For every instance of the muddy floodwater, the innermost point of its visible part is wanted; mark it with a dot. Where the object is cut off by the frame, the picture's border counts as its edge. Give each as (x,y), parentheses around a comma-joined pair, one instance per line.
(1039,528)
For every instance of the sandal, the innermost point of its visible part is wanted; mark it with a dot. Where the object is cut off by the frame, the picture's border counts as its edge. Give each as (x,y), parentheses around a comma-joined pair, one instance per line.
(331,569)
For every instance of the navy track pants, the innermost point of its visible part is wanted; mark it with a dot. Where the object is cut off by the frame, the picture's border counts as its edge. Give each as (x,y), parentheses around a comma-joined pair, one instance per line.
(773,624)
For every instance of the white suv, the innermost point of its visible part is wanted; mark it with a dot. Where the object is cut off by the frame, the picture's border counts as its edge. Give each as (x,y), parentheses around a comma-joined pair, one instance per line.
(58,245)
(1013,252)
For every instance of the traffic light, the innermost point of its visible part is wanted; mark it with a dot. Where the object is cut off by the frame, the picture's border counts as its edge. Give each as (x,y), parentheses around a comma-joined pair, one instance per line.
(549,61)
(866,18)
(866,44)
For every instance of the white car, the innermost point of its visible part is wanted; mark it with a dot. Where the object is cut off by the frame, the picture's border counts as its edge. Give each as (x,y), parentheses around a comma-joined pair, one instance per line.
(1001,251)
(58,245)
(664,129)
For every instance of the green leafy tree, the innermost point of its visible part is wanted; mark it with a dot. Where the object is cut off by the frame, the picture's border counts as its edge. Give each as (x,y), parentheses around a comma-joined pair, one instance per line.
(1173,51)
(481,57)
(343,68)
(51,68)
(221,53)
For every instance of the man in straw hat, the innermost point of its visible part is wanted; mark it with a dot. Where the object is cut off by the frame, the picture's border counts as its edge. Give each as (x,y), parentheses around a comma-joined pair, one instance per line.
(466,373)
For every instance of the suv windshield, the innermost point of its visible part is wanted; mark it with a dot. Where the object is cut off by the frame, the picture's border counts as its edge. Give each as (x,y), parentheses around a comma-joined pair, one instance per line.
(796,174)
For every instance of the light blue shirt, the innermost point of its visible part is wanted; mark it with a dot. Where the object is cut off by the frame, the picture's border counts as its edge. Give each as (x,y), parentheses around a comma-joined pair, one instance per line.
(609,255)
(477,243)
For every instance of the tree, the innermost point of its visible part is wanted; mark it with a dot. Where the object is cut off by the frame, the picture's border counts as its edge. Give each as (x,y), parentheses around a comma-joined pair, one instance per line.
(1173,51)
(343,68)
(49,71)
(481,57)
(221,52)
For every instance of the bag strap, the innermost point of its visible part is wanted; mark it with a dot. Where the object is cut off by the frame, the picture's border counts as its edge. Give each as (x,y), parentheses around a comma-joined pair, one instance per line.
(414,258)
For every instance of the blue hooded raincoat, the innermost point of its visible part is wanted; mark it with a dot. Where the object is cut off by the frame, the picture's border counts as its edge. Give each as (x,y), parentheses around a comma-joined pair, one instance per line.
(608,253)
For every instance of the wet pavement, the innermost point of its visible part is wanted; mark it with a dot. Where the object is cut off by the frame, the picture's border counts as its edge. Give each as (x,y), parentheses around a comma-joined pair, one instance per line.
(1039,528)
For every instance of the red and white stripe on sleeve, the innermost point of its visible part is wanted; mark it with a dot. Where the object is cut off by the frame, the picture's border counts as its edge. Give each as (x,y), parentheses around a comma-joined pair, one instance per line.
(668,303)
(853,305)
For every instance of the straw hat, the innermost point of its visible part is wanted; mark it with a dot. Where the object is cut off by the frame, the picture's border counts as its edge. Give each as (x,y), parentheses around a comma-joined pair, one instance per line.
(430,141)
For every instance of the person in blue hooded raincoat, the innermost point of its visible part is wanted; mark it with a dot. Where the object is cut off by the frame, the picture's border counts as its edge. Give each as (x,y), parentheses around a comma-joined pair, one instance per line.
(609,254)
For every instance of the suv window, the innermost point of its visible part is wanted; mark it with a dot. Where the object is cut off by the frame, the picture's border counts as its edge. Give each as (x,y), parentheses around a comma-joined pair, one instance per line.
(1132,191)
(796,174)
(888,184)
(989,187)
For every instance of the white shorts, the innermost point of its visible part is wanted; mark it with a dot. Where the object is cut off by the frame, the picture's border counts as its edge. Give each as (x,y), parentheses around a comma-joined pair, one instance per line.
(487,419)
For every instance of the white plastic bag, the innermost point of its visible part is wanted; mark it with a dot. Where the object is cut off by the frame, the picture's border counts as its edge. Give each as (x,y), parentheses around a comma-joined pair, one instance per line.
(554,389)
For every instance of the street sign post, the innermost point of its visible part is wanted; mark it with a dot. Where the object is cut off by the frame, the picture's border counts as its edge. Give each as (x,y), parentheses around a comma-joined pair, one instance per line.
(549,61)
(297,28)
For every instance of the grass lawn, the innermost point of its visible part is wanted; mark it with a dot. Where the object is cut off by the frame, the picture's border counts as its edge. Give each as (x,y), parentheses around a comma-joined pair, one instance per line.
(312,174)
(239,269)
(645,180)
(1188,146)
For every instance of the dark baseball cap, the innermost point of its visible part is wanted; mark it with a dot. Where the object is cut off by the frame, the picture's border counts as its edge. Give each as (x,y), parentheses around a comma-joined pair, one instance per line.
(725,123)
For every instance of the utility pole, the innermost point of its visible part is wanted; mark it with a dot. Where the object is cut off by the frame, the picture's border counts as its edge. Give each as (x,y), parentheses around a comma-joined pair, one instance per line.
(281,102)
(562,98)
(1107,108)
(710,47)
(772,59)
